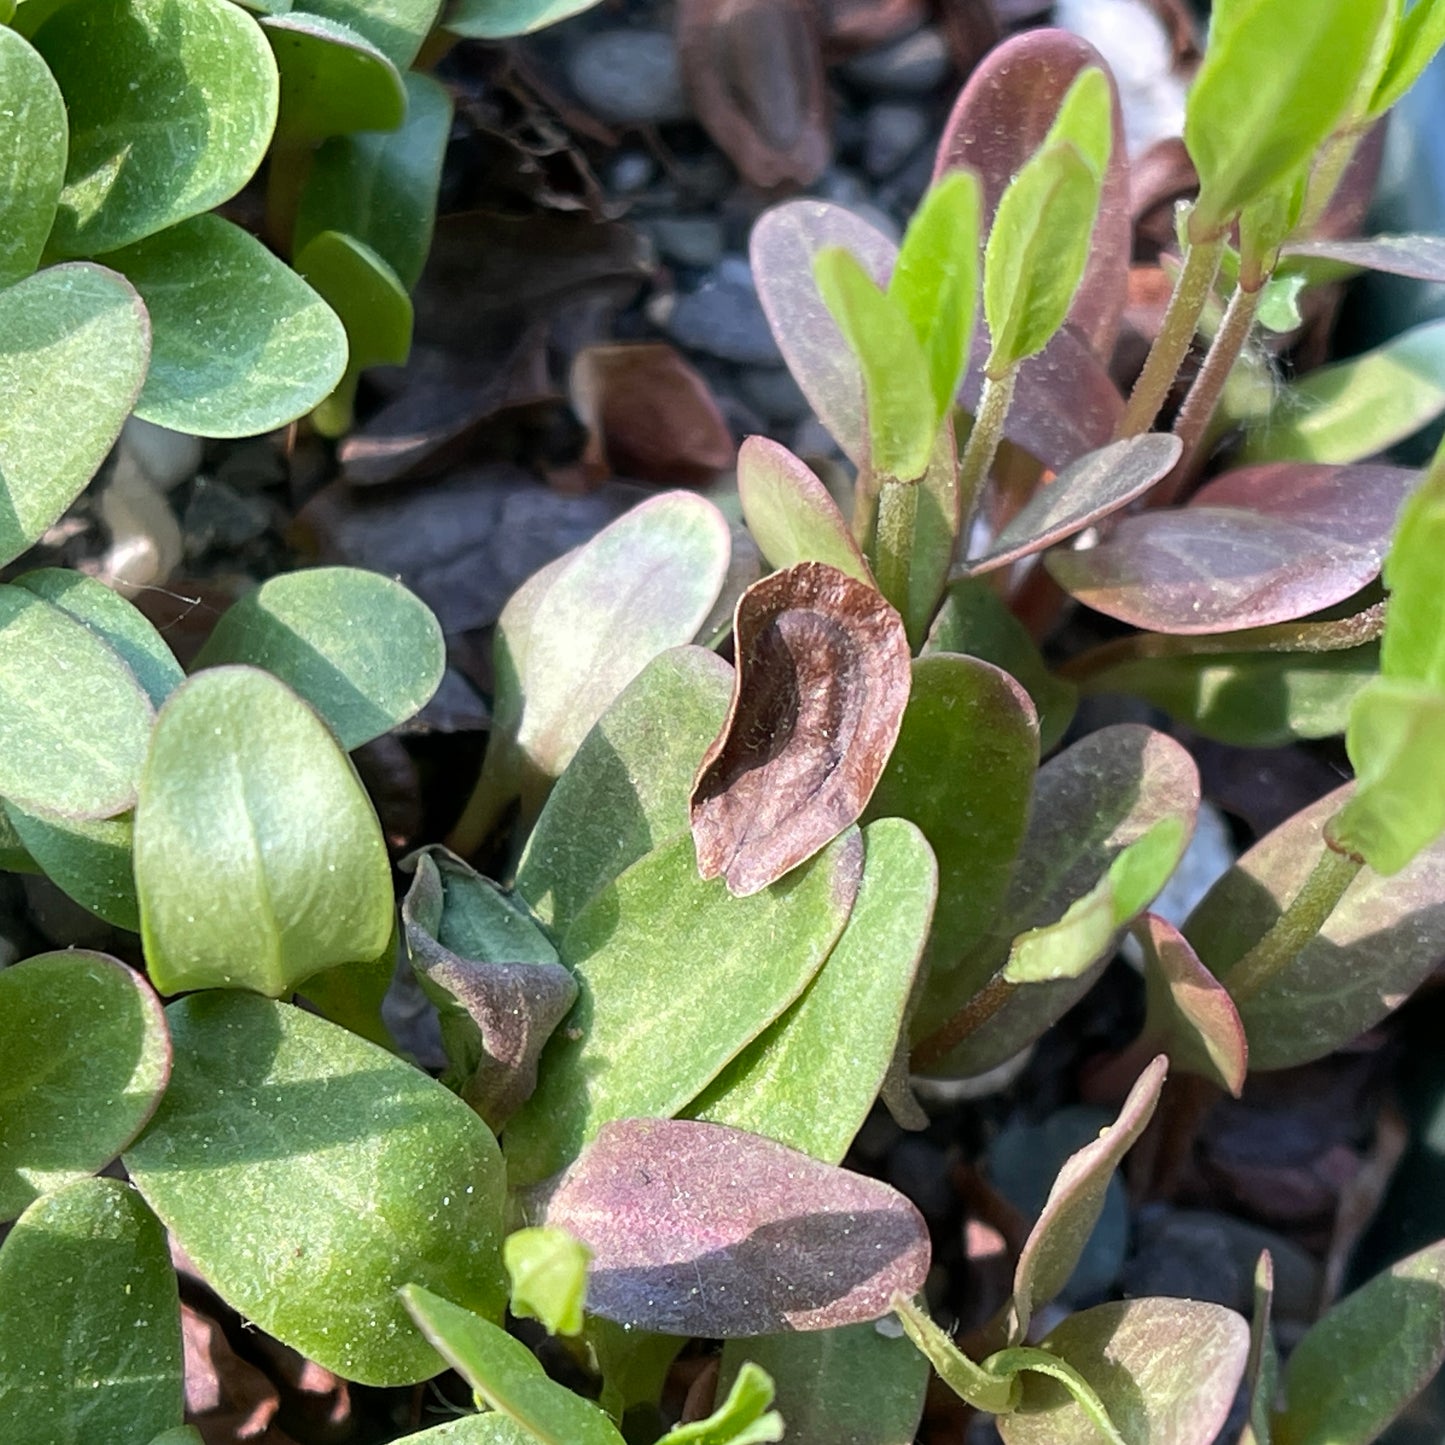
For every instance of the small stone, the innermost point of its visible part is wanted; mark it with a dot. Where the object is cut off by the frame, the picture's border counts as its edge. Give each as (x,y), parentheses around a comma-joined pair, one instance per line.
(632,171)
(629,77)
(774,394)
(689,240)
(893,132)
(915,65)
(724,317)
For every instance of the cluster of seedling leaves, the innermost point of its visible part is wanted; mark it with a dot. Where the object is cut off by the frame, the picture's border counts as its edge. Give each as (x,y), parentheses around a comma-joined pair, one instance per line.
(744,897)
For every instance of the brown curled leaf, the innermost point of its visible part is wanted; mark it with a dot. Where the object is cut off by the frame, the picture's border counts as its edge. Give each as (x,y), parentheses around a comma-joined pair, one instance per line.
(822,680)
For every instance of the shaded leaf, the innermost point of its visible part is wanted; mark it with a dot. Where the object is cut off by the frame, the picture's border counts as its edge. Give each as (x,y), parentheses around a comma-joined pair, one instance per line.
(1059,1235)
(67,750)
(333,80)
(838,1040)
(1383,938)
(936,525)
(362,650)
(241,343)
(308,1174)
(1257,546)
(700,1229)
(396,27)
(1369,1356)
(507,1375)
(1090,488)
(1420,257)
(88,859)
(1357,408)
(626,789)
(653,953)
(1166,1371)
(493,975)
(497,19)
(818,697)
(33,138)
(743,1418)
(548,1271)
(90,1328)
(86,1059)
(791,514)
(258,856)
(1190,1015)
(171,111)
(74,341)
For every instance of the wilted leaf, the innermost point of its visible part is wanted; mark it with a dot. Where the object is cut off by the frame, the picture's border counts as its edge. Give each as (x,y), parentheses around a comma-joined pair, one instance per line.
(818,698)
(308,1174)
(1190,1016)
(89,859)
(1075,1202)
(548,1271)
(626,790)
(1166,1370)
(1260,545)
(33,139)
(838,1040)
(333,80)
(655,952)
(1383,938)
(86,1059)
(90,1325)
(700,1229)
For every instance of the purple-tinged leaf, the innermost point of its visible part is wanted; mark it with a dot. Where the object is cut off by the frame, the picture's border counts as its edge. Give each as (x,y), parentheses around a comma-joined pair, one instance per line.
(1090,488)
(1260,545)
(1166,1370)
(493,975)
(818,697)
(1419,257)
(1361,1364)
(1002,117)
(1056,1242)
(86,1059)
(698,1229)
(790,512)
(1190,1015)
(1385,936)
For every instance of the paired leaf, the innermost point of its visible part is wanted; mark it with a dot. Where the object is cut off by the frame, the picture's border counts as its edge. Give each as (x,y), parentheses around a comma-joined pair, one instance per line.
(74,342)
(655,953)
(171,110)
(700,1229)
(258,856)
(84,1059)
(33,138)
(333,80)
(818,697)
(548,1271)
(308,1175)
(90,1323)
(365,652)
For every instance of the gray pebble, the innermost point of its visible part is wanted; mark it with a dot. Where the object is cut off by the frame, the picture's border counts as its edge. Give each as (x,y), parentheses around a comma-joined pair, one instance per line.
(894,132)
(689,240)
(629,76)
(218,515)
(724,318)
(915,65)
(630,172)
(774,394)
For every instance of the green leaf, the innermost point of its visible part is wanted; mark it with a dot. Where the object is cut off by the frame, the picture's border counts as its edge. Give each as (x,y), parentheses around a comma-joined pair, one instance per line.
(497,19)
(74,341)
(171,110)
(90,1322)
(365,652)
(507,1375)
(1369,1356)
(1356,408)
(902,417)
(1262,1368)
(743,1418)
(333,79)
(242,344)
(33,140)
(396,27)
(935,280)
(1027,1360)
(308,1174)
(548,1270)
(1419,33)
(84,1059)
(181,1435)
(643,1037)
(981,1388)
(837,1041)
(1037,249)
(1413,647)
(626,789)
(115,621)
(76,751)
(488,1429)
(258,857)
(88,859)
(851,1385)
(381,187)
(1085,119)
(373,306)
(1396,739)
(1276,80)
